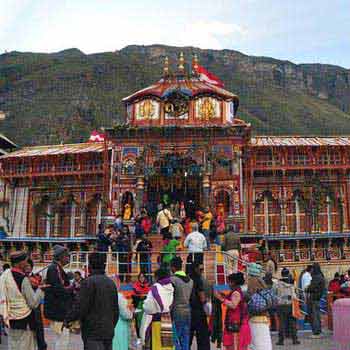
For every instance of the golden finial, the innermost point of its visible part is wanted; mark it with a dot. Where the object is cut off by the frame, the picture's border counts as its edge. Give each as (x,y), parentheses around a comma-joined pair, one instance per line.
(166,67)
(181,65)
(195,64)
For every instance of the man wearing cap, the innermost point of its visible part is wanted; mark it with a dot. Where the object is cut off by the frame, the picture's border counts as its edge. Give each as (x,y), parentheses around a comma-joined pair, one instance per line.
(18,300)
(58,297)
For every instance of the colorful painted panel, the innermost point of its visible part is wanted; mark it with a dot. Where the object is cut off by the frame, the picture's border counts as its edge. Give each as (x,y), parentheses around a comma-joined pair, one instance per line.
(229,112)
(147,110)
(207,108)
(176,105)
(130,152)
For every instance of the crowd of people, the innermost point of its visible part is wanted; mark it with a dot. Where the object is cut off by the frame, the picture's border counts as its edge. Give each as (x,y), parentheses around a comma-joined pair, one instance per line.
(177,308)
(174,305)
(195,233)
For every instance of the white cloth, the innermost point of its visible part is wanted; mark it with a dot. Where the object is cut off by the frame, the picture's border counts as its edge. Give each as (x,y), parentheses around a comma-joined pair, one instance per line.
(13,303)
(305,280)
(19,339)
(151,306)
(62,336)
(166,293)
(261,337)
(163,218)
(195,242)
(19,211)
(231,260)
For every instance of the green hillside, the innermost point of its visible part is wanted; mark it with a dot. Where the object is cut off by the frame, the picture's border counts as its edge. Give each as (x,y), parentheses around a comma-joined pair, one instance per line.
(61,97)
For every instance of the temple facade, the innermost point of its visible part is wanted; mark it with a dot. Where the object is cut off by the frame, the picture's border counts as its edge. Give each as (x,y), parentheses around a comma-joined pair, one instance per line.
(183,142)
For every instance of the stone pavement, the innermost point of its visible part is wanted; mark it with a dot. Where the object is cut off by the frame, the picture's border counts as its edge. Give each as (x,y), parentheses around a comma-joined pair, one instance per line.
(307,343)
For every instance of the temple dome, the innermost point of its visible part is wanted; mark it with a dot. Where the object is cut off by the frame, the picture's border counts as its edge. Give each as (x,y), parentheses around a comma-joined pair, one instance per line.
(182,99)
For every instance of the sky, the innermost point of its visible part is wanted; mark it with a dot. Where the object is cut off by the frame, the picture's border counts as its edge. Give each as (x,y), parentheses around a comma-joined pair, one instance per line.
(302,31)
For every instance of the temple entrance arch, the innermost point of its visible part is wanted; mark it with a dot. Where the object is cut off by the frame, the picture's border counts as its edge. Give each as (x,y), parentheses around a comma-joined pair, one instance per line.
(174,179)
(223,201)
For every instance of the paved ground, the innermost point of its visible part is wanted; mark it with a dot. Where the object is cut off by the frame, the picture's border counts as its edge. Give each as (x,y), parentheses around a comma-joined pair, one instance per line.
(325,343)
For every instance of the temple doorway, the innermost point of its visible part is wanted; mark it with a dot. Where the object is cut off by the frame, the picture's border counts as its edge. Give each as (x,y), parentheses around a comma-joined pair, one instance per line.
(175,180)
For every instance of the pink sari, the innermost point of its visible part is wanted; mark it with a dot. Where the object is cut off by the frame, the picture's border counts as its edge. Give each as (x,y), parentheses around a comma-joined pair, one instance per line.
(241,340)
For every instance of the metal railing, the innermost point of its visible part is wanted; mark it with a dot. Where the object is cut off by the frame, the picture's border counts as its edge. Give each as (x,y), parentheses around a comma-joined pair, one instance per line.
(128,265)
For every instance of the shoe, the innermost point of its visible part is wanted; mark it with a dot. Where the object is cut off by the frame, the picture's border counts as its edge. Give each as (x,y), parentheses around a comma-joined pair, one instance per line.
(280,343)
(296,342)
(316,336)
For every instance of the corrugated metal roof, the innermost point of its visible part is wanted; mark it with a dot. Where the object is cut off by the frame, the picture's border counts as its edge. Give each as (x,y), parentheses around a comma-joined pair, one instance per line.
(268,141)
(192,87)
(51,150)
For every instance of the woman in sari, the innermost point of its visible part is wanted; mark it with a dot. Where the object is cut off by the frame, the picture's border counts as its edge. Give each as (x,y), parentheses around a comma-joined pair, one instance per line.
(236,334)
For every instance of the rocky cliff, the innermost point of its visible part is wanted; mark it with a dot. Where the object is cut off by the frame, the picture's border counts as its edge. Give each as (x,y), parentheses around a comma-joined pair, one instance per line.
(61,97)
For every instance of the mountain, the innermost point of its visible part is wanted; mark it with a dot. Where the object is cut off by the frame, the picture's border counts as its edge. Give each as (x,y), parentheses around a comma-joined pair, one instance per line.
(61,97)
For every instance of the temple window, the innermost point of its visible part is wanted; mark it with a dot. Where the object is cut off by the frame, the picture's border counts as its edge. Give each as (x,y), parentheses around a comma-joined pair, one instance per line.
(329,158)
(296,158)
(66,165)
(22,168)
(44,167)
(267,158)
(93,164)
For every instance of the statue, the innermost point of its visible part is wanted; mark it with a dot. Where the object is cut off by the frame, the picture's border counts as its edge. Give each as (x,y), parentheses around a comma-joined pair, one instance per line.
(127,212)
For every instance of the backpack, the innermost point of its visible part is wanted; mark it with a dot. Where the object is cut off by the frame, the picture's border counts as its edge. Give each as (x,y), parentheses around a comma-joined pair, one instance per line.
(285,294)
(261,301)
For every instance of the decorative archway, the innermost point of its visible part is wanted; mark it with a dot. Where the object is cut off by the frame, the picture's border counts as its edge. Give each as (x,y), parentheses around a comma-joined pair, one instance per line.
(93,214)
(223,202)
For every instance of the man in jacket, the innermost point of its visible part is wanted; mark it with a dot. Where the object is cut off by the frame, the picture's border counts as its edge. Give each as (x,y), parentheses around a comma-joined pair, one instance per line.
(99,310)
(232,247)
(58,297)
(285,293)
(181,309)
(314,294)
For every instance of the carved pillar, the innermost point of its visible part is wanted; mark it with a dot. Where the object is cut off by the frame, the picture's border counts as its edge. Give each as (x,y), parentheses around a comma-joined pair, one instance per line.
(253,218)
(297,215)
(83,219)
(313,249)
(281,255)
(33,214)
(283,207)
(98,215)
(329,215)
(72,219)
(297,250)
(140,185)
(266,215)
(56,223)
(206,190)
(344,206)
(48,220)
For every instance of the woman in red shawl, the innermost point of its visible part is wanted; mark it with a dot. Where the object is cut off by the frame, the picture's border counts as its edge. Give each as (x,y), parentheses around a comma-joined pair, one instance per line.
(141,287)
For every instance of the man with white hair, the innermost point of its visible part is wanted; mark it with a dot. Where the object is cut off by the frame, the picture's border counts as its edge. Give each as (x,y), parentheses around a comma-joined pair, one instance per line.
(196,243)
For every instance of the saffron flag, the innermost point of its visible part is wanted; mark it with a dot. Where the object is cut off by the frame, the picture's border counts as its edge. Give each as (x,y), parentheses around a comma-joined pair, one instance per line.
(96,137)
(208,77)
